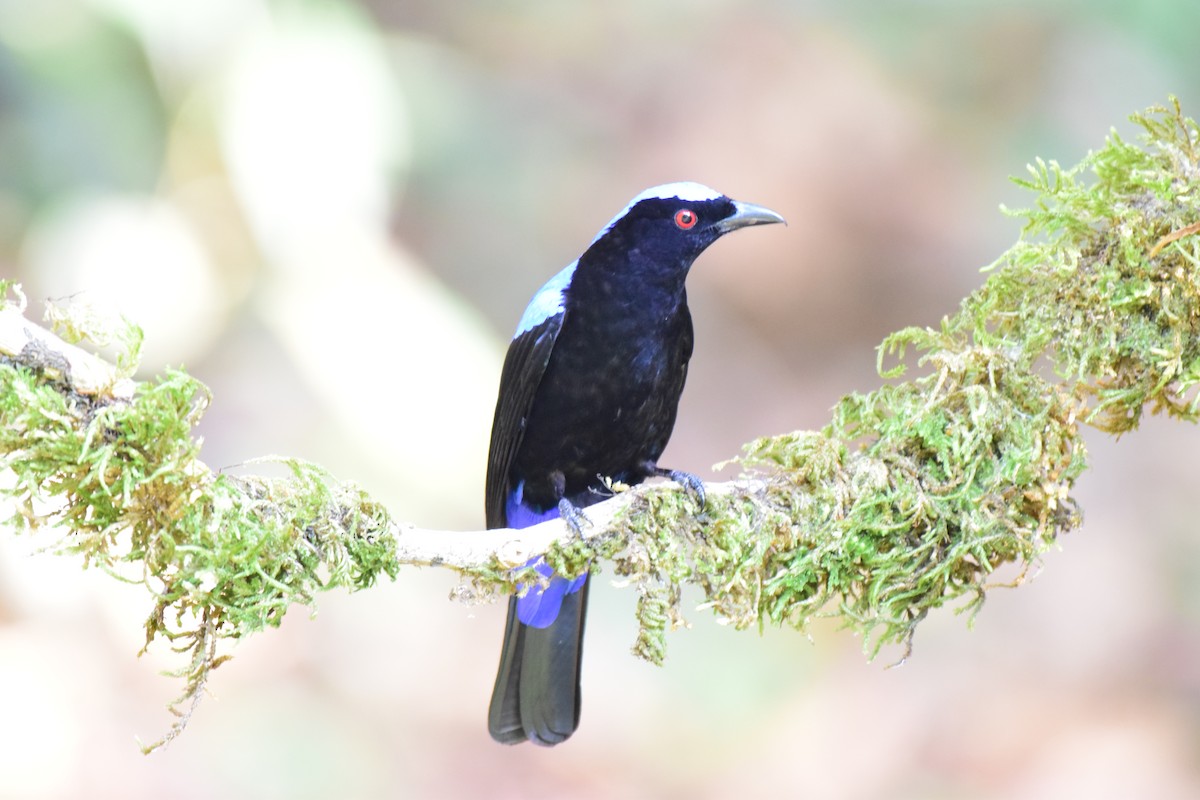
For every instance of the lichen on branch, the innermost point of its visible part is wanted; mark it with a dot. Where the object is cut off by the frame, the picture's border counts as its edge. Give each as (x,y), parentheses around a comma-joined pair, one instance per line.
(909,499)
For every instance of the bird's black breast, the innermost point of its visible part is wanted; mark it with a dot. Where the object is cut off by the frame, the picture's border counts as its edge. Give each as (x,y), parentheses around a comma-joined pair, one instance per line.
(608,399)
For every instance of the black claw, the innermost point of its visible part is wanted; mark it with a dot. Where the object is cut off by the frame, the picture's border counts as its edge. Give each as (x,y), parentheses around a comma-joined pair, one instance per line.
(573,516)
(690,483)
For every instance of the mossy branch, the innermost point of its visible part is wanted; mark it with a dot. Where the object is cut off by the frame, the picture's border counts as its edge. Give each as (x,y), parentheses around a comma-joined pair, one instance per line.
(910,499)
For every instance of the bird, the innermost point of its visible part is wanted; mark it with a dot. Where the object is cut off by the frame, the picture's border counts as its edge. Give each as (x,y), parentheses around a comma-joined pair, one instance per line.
(588,394)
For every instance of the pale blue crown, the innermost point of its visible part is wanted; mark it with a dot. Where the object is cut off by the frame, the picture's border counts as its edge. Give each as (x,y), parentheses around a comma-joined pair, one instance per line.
(550,299)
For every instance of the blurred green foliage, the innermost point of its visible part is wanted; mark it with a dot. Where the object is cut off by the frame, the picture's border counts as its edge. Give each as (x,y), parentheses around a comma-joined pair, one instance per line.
(80,110)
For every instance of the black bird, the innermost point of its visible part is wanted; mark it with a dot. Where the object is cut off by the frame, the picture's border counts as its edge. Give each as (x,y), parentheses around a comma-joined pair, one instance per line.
(589,390)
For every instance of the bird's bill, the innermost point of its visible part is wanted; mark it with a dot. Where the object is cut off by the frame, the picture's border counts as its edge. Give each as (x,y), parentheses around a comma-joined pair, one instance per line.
(747,214)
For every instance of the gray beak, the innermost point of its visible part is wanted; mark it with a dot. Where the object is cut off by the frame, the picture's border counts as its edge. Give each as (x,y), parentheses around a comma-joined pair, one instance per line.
(747,214)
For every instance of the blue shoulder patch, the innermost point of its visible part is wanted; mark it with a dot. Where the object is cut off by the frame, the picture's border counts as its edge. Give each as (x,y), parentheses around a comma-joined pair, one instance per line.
(548,301)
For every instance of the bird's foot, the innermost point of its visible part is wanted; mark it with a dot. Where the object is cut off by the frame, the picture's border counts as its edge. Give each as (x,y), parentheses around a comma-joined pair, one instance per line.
(690,483)
(573,515)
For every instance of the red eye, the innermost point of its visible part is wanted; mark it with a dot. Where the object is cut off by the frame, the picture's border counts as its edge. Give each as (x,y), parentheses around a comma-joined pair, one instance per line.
(685,219)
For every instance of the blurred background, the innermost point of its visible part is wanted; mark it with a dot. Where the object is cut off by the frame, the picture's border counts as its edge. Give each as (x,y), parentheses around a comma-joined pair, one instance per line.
(333,214)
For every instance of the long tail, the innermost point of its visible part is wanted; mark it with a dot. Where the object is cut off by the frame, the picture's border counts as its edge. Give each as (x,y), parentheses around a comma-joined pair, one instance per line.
(537,687)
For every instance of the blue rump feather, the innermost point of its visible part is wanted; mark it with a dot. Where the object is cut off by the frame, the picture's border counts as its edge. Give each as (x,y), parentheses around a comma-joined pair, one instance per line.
(539,606)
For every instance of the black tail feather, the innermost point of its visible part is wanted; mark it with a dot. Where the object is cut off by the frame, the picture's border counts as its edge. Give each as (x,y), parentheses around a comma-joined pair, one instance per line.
(537,686)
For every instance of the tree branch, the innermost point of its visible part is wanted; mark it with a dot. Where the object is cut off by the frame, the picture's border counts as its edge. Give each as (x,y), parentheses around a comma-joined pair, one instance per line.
(511,548)
(908,500)
(34,346)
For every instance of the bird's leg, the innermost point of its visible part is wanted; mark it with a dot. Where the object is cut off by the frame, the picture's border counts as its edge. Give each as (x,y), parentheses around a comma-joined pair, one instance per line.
(571,514)
(690,483)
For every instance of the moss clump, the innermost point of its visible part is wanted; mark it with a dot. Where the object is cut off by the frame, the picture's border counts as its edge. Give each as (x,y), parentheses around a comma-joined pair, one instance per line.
(916,493)
(223,556)
(909,500)
(1110,292)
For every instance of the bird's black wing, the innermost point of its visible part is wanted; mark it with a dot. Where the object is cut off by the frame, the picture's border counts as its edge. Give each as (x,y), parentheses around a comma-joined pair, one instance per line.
(528,355)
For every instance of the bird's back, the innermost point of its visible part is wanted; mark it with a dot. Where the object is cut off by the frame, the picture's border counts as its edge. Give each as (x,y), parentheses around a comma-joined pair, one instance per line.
(607,402)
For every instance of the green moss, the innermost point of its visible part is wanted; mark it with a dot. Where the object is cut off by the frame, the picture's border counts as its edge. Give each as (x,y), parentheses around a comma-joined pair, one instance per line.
(223,556)
(909,500)
(77,321)
(918,492)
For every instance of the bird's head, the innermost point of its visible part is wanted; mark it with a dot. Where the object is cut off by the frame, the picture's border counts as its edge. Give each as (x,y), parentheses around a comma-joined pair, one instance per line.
(672,224)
